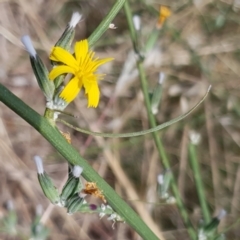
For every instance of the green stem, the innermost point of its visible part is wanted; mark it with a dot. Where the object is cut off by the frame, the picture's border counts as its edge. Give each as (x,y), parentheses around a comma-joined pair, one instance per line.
(163,155)
(104,25)
(133,134)
(153,124)
(51,134)
(199,184)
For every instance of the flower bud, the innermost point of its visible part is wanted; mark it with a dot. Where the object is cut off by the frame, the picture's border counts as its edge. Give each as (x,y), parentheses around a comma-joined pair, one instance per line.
(72,185)
(157,94)
(38,230)
(40,70)
(208,231)
(10,221)
(46,183)
(75,202)
(48,188)
(66,39)
(163,184)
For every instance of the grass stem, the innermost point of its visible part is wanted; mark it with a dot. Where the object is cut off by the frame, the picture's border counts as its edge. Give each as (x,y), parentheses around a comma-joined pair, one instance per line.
(198,181)
(152,122)
(104,25)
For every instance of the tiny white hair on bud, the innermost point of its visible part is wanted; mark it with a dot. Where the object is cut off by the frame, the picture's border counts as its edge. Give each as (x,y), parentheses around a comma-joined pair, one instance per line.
(26,40)
(221,214)
(161,78)
(76,17)
(39,164)
(77,171)
(160,179)
(112,26)
(137,22)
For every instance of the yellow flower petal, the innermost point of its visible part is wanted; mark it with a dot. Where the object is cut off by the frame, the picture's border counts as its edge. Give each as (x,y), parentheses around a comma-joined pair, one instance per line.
(98,63)
(59,70)
(81,50)
(93,95)
(87,83)
(61,55)
(71,90)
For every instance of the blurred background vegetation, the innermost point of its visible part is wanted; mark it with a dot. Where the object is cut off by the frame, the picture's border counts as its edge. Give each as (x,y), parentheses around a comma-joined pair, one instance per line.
(198,45)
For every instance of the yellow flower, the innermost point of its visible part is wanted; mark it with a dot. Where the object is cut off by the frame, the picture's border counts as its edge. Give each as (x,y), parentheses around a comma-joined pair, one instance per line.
(164,13)
(83,67)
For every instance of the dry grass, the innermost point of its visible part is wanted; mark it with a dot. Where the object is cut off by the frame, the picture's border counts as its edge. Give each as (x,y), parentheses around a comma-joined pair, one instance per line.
(200,47)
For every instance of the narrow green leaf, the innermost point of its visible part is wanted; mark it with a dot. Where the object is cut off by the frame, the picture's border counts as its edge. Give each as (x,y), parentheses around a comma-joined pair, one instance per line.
(140,133)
